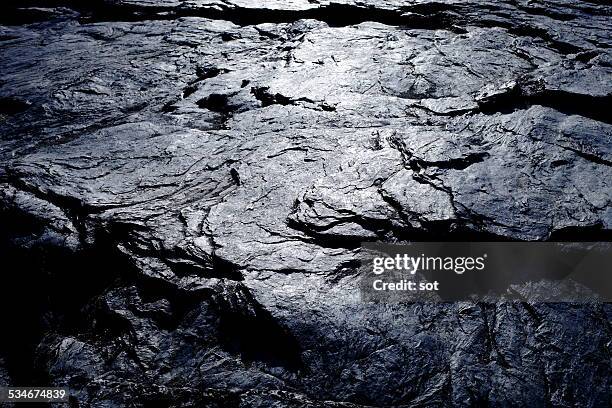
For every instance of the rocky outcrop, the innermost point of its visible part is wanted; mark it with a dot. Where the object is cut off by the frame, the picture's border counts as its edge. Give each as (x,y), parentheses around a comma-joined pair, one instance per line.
(185,186)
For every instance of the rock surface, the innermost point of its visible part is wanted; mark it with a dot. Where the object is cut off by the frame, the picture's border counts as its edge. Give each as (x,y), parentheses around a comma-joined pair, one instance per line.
(185,185)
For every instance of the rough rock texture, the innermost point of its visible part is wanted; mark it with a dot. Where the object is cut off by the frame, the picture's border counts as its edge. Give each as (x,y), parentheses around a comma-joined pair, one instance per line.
(184,186)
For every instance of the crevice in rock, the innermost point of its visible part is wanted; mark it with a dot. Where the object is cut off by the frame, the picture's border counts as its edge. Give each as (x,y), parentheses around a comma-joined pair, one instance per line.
(188,91)
(220,104)
(180,262)
(28,12)
(454,230)
(74,208)
(530,31)
(334,14)
(537,10)
(216,103)
(267,98)
(12,105)
(418,164)
(587,156)
(460,163)
(593,233)
(426,16)
(431,16)
(336,241)
(204,72)
(45,289)
(593,107)
(252,332)
(245,327)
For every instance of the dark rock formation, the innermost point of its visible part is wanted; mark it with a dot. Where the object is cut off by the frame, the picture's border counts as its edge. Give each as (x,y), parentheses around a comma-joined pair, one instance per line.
(184,186)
